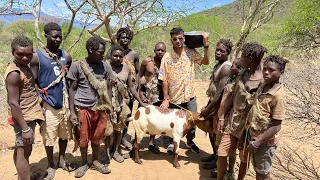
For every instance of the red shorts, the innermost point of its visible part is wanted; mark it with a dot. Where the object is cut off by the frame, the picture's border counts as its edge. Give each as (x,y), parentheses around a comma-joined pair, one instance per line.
(92,126)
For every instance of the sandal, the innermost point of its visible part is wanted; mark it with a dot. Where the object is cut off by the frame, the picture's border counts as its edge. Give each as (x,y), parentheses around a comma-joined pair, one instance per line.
(50,174)
(103,169)
(66,166)
(154,149)
(81,171)
(209,158)
(117,157)
(209,165)
(126,144)
(126,156)
(35,175)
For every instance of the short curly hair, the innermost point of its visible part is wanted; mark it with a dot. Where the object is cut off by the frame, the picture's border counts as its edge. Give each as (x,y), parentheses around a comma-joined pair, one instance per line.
(94,42)
(116,48)
(280,61)
(254,50)
(22,41)
(51,26)
(126,30)
(227,43)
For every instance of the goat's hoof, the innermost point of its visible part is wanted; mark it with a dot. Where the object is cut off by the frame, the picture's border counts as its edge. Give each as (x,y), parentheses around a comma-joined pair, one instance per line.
(176,165)
(138,161)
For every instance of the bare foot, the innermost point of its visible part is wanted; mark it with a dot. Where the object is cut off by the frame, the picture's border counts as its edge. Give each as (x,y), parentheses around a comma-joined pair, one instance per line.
(138,161)
(176,165)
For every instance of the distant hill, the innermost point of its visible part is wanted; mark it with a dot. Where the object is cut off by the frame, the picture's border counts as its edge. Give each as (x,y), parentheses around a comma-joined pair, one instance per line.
(43,17)
(226,22)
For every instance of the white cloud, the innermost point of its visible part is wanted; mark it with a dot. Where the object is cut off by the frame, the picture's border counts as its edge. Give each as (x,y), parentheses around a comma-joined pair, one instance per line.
(216,5)
(61,5)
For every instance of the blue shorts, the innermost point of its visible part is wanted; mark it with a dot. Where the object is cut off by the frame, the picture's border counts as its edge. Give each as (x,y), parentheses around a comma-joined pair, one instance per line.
(18,131)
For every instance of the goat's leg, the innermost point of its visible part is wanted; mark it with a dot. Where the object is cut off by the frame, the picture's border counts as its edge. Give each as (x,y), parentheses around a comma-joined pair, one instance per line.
(176,143)
(136,149)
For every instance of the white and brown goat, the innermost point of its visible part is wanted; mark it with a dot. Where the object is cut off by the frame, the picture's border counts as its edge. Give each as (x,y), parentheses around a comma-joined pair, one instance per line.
(174,123)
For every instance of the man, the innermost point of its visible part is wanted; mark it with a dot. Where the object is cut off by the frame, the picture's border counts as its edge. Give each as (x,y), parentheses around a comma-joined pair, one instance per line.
(24,107)
(150,87)
(49,69)
(177,72)
(124,86)
(87,78)
(131,59)
(218,81)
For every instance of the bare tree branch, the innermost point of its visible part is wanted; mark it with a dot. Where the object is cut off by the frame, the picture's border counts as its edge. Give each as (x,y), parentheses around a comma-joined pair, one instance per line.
(74,13)
(254,9)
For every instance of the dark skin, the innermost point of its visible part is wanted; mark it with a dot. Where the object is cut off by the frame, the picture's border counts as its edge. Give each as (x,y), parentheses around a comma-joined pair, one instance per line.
(177,41)
(54,39)
(94,56)
(221,56)
(22,56)
(255,74)
(147,65)
(147,70)
(271,75)
(119,68)
(222,168)
(132,56)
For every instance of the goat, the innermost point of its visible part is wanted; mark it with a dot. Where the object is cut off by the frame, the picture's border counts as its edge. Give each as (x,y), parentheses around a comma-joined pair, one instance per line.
(174,123)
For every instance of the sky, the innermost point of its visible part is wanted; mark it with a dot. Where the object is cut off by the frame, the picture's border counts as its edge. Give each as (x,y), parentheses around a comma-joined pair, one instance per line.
(58,8)
(51,6)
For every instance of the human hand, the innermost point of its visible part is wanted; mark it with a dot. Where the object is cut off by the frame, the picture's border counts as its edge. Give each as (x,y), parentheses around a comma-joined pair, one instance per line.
(240,144)
(143,98)
(165,104)
(220,126)
(205,36)
(74,119)
(204,112)
(143,104)
(28,137)
(252,147)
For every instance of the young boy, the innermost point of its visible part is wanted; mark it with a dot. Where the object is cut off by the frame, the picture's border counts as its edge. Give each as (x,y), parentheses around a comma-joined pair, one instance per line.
(218,81)
(223,126)
(24,107)
(89,95)
(266,115)
(150,87)
(122,74)
(247,82)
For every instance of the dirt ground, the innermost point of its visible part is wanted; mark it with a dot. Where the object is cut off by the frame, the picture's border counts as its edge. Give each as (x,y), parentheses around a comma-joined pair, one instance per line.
(154,167)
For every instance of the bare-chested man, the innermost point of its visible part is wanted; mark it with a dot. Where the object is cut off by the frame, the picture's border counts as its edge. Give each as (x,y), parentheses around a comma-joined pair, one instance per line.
(131,59)
(150,87)
(123,75)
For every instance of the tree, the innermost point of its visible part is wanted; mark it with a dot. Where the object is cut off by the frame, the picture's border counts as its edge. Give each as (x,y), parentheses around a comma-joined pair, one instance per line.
(18,7)
(302,27)
(110,15)
(254,15)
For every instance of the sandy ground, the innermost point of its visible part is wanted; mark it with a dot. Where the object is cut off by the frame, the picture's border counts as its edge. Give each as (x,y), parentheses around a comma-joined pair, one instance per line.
(154,167)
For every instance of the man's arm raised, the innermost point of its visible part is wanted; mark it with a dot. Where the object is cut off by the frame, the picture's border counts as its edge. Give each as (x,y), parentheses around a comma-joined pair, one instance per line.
(205,60)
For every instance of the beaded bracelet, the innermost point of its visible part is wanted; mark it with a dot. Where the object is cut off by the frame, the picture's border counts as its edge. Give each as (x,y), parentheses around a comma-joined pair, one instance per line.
(25,131)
